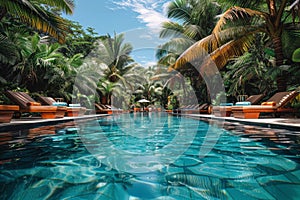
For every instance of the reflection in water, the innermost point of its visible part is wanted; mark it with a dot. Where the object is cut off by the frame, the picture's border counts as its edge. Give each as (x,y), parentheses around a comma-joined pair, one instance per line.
(56,162)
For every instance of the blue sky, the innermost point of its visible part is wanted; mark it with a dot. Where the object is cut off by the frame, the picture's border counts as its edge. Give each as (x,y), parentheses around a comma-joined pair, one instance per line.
(140,20)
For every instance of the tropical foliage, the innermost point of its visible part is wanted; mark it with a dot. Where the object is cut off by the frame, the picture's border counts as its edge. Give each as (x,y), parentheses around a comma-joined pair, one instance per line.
(248,74)
(190,21)
(255,45)
(40,15)
(235,32)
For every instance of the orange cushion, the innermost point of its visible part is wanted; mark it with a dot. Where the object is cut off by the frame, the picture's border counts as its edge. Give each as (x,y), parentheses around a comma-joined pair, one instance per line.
(269,103)
(33,104)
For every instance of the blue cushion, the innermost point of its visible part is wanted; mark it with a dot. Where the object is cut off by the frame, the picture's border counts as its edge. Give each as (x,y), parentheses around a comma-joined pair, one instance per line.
(243,103)
(74,105)
(59,104)
(226,104)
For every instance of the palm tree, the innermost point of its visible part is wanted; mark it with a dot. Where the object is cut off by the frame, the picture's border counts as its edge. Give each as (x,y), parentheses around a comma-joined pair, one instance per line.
(13,38)
(116,65)
(38,61)
(191,20)
(235,32)
(145,86)
(115,54)
(38,15)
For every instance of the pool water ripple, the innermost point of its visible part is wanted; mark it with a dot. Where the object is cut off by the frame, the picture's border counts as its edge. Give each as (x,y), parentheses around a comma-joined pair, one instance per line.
(71,164)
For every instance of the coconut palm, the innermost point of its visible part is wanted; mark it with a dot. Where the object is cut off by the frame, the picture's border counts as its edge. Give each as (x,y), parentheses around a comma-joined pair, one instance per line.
(106,88)
(40,14)
(115,54)
(37,60)
(191,20)
(235,32)
(146,87)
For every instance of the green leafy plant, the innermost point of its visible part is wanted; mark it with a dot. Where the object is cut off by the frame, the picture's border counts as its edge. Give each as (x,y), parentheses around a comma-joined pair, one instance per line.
(170,107)
(296,55)
(220,98)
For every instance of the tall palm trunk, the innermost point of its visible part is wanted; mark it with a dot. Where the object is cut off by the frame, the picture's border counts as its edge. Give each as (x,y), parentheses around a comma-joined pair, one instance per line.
(278,50)
(281,78)
(279,57)
(275,28)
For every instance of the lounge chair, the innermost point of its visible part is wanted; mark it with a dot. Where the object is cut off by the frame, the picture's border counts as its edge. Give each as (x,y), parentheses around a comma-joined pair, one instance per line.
(72,110)
(102,109)
(225,109)
(205,108)
(28,104)
(195,109)
(6,112)
(189,109)
(276,104)
(116,110)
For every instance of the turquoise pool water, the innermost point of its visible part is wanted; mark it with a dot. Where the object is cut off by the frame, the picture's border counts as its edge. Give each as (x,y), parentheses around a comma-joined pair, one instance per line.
(149,156)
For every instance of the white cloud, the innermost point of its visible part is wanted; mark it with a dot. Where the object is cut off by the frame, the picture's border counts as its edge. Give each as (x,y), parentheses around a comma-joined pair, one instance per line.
(150,12)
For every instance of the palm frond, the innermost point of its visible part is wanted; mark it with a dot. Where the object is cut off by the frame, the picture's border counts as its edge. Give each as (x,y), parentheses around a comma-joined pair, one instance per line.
(179,9)
(9,53)
(177,45)
(192,31)
(171,29)
(207,49)
(67,6)
(232,49)
(242,3)
(36,16)
(235,13)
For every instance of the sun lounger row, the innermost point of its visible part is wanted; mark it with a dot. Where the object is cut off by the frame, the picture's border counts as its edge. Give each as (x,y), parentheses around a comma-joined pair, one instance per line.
(276,105)
(102,109)
(72,110)
(225,109)
(106,109)
(195,109)
(26,104)
(6,112)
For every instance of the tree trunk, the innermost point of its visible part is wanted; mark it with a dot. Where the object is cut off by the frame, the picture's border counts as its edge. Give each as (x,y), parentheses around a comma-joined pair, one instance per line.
(281,78)
(3,12)
(278,50)
(103,100)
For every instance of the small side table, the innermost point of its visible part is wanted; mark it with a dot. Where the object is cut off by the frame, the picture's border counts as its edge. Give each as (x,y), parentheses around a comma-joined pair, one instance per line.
(59,99)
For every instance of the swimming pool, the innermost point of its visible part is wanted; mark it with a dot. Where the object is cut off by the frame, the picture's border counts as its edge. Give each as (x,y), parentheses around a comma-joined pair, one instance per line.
(149,156)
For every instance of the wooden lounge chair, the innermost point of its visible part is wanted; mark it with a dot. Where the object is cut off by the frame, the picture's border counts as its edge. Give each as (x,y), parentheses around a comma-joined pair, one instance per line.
(6,112)
(195,109)
(28,104)
(102,109)
(72,110)
(276,104)
(225,110)
(205,108)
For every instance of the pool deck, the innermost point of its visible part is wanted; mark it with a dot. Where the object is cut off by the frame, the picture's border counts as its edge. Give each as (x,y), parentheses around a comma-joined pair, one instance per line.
(30,122)
(283,123)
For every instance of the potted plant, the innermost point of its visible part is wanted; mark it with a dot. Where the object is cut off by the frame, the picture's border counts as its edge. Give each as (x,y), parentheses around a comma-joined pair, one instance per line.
(169,108)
